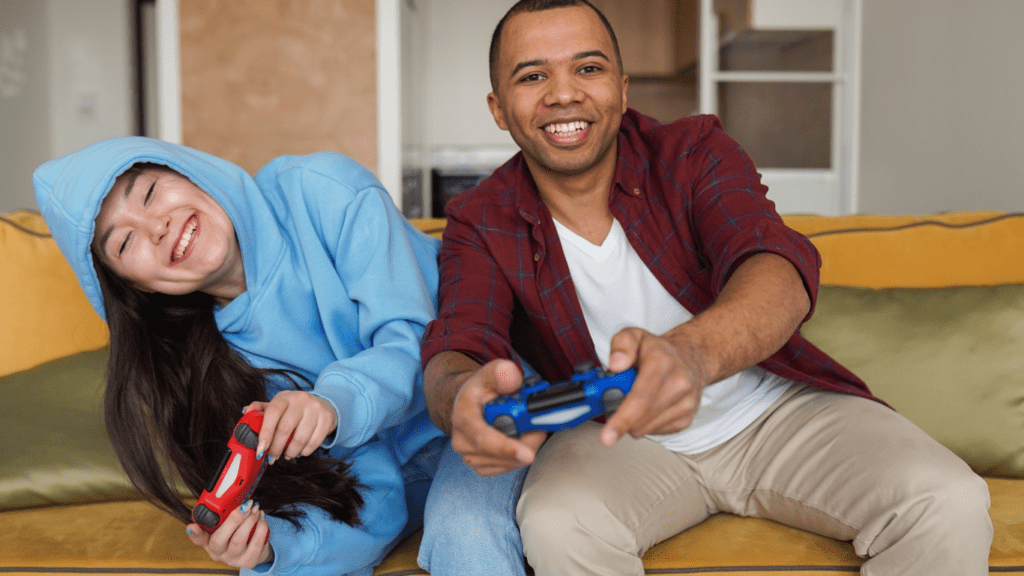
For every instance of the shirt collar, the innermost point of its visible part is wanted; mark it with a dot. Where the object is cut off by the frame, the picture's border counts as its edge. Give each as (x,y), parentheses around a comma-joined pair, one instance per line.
(630,166)
(632,162)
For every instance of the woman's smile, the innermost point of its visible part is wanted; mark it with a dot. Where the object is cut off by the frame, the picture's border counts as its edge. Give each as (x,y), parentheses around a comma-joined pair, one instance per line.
(184,247)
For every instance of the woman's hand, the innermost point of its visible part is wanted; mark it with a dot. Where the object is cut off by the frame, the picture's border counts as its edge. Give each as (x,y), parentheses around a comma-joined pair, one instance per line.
(241,541)
(295,424)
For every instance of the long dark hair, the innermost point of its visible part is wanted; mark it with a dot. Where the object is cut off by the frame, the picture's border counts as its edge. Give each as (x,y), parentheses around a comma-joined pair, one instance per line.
(175,390)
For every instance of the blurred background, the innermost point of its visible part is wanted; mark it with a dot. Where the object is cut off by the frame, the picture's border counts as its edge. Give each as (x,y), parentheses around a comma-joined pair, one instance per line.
(846,106)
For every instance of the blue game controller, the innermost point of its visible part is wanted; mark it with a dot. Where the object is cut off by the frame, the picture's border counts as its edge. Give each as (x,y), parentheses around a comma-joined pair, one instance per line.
(540,405)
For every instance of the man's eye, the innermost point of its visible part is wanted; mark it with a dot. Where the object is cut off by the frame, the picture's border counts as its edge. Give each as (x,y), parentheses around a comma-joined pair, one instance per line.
(531,78)
(590,69)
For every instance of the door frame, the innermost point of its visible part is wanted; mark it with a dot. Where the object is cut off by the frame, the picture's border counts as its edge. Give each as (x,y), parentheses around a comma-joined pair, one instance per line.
(832,191)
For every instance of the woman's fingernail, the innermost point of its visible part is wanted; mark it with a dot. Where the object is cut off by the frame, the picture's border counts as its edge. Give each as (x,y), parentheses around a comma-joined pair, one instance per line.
(245,506)
(189,530)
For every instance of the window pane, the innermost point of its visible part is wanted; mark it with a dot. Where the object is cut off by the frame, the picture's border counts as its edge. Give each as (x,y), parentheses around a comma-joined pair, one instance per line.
(786,50)
(781,125)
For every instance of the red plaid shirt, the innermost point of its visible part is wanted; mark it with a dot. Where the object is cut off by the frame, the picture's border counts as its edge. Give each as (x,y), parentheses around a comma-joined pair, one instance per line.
(693,208)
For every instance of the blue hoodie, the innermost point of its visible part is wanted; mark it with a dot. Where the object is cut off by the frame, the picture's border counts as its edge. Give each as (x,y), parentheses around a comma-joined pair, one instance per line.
(339,287)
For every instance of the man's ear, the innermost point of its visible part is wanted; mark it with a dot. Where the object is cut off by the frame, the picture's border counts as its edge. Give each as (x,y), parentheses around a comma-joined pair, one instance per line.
(496,111)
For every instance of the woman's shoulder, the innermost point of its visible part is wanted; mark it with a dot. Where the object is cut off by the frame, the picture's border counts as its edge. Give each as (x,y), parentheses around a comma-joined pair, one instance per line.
(317,169)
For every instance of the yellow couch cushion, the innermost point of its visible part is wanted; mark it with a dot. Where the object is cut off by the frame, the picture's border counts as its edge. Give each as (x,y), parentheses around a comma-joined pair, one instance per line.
(882,251)
(953,249)
(110,538)
(45,313)
(136,538)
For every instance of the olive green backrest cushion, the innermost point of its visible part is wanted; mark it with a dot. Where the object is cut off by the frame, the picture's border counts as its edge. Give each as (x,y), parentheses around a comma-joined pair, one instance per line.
(949,359)
(55,450)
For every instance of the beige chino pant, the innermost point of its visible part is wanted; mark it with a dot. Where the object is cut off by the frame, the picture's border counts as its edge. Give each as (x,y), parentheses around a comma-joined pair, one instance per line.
(829,463)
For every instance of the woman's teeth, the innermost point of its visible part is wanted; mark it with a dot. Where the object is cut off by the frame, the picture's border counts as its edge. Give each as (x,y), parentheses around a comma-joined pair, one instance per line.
(566,128)
(186,237)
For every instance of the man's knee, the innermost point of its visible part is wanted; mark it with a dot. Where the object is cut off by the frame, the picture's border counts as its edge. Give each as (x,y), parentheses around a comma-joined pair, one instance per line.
(948,507)
(960,503)
(948,487)
(573,532)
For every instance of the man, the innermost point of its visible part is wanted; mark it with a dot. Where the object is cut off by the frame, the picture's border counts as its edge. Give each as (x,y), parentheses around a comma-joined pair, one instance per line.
(614,239)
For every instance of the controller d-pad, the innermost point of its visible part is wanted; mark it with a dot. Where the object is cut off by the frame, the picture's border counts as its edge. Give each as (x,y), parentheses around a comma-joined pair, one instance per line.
(246,436)
(205,517)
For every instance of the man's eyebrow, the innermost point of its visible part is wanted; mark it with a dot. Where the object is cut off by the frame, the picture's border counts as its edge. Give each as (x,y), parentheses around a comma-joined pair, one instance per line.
(132,176)
(580,56)
(526,64)
(592,54)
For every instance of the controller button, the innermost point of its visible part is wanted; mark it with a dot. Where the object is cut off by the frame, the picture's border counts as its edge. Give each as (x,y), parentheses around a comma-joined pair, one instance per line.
(583,367)
(505,424)
(611,398)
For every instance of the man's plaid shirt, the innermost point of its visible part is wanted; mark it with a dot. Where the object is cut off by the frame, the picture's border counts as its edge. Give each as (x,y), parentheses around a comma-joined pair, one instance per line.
(693,208)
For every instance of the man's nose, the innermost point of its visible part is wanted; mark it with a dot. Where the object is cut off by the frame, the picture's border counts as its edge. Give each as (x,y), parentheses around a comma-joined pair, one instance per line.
(564,89)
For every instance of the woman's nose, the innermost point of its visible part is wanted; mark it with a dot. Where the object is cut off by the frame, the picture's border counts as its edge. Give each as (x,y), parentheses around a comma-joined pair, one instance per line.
(156,226)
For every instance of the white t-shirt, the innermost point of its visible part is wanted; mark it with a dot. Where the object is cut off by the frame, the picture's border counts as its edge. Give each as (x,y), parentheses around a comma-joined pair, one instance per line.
(616,290)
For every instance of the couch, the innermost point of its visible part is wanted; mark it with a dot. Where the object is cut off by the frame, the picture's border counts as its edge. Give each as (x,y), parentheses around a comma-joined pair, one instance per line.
(929,310)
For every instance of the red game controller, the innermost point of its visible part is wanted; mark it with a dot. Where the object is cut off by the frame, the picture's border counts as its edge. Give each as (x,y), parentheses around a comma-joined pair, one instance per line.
(237,474)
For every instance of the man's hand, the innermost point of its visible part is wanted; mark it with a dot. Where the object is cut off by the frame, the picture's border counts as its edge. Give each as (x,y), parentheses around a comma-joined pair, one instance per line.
(482,447)
(241,541)
(758,310)
(485,449)
(667,389)
(295,424)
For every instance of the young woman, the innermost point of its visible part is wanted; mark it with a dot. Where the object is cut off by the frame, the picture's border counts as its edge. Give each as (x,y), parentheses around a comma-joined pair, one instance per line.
(300,291)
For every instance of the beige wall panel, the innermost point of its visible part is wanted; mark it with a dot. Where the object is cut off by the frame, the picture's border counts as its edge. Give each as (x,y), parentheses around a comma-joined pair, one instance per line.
(262,78)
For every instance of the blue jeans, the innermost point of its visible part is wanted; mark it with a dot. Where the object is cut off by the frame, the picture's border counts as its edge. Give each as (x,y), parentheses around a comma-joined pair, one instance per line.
(469,525)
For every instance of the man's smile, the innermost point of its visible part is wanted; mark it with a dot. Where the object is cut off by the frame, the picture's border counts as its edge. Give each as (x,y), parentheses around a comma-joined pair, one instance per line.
(567,132)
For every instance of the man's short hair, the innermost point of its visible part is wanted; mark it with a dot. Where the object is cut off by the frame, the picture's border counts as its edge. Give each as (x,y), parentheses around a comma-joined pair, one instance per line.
(538,6)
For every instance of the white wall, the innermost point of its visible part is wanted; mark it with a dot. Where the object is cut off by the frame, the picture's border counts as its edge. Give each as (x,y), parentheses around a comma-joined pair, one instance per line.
(76,87)
(943,106)
(24,94)
(457,78)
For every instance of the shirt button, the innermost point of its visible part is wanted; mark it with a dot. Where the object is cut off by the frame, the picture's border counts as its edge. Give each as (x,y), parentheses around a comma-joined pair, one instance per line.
(536,257)
(636,191)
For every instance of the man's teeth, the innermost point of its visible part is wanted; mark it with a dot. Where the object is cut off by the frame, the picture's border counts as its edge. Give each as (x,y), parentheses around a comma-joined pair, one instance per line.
(566,127)
(185,239)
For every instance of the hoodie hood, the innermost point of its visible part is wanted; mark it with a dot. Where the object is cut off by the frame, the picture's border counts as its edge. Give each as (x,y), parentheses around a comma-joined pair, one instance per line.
(70,190)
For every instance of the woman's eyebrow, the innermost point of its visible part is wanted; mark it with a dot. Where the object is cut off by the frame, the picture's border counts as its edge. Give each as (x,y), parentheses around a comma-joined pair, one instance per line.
(127,192)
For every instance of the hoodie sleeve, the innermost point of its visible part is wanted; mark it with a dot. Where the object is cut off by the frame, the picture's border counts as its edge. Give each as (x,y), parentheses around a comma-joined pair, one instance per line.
(322,546)
(388,271)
